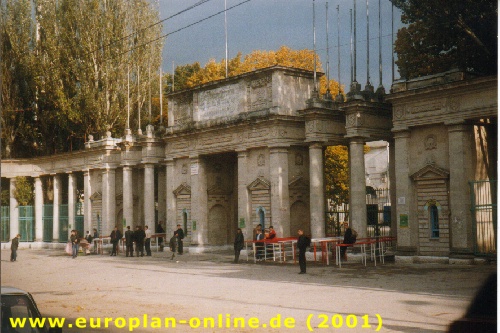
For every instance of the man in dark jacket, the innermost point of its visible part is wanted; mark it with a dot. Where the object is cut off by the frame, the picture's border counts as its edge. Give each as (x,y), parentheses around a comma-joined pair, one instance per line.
(129,242)
(302,243)
(239,240)
(180,236)
(115,236)
(349,238)
(139,236)
(13,248)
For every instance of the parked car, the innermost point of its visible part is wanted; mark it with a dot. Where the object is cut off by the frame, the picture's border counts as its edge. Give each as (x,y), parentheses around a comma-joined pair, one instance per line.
(17,303)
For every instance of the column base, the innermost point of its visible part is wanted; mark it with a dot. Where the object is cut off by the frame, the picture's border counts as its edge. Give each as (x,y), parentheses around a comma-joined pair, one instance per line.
(406,251)
(462,253)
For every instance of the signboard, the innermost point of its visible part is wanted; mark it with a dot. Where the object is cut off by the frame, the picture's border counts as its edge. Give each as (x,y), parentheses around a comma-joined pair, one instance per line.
(194,225)
(194,168)
(242,223)
(403,220)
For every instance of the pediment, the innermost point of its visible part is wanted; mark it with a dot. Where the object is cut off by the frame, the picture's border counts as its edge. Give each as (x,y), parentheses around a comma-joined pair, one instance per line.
(96,196)
(430,171)
(182,189)
(298,183)
(259,184)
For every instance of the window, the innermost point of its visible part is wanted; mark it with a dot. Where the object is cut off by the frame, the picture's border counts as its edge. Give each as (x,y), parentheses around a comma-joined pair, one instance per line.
(434,221)
(262,218)
(185,222)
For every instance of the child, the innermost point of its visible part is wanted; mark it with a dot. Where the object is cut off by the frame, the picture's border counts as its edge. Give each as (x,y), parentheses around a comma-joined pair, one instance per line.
(173,245)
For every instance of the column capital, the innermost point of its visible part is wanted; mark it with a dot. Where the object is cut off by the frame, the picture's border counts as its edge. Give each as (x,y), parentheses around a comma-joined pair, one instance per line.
(357,139)
(279,149)
(458,127)
(109,170)
(242,153)
(316,145)
(405,134)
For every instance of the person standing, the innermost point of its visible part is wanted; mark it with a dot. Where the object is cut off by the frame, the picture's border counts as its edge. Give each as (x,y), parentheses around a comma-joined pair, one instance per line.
(160,230)
(13,248)
(75,241)
(239,240)
(148,241)
(256,231)
(139,236)
(129,242)
(116,235)
(259,246)
(96,234)
(302,243)
(180,236)
(173,245)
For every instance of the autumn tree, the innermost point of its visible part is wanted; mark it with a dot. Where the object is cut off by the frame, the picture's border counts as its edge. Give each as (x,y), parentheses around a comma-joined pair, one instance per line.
(189,76)
(444,35)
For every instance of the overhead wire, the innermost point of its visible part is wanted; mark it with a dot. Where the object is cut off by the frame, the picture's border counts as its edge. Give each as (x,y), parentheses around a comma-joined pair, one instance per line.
(149,26)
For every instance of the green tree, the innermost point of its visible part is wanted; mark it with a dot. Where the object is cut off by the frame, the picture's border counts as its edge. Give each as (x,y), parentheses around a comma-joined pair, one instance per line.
(67,63)
(24,191)
(17,75)
(443,35)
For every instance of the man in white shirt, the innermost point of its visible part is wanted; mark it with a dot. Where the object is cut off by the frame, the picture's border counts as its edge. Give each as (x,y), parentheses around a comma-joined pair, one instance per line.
(148,241)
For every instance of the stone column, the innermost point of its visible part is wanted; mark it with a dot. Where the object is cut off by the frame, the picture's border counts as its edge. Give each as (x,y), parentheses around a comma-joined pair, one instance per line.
(461,171)
(87,204)
(149,195)
(14,210)
(357,186)
(38,210)
(317,191)
(72,202)
(280,198)
(162,208)
(407,235)
(128,201)
(392,187)
(57,202)
(199,201)
(243,195)
(108,201)
(170,202)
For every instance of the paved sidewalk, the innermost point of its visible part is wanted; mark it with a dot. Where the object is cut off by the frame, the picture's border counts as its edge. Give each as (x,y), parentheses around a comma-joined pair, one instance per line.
(407,297)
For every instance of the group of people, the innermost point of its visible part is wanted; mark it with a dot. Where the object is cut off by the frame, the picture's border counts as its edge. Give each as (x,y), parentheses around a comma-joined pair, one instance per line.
(303,242)
(142,238)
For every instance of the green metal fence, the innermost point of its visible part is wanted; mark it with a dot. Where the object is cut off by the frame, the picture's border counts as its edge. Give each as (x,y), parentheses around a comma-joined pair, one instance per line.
(48,222)
(63,223)
(484,216)
(5,232)
(378,213)
(26,223)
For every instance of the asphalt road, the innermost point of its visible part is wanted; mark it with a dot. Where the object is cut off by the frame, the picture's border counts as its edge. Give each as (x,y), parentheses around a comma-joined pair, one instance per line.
(264,297)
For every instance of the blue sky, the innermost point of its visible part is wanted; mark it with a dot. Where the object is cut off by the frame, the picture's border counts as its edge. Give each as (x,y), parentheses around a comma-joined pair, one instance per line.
(269,24)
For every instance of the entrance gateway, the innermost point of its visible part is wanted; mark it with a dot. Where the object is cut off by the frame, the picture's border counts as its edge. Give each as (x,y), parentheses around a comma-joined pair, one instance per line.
(250,149)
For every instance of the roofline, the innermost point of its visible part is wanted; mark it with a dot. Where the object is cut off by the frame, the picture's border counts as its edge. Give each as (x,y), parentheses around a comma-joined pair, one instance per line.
(303,72)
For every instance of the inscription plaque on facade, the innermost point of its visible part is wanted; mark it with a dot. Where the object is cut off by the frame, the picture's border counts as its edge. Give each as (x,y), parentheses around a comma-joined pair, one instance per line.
(218,102)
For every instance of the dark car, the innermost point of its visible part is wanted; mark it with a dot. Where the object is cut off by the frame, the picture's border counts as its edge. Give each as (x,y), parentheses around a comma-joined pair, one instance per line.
(17,303)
